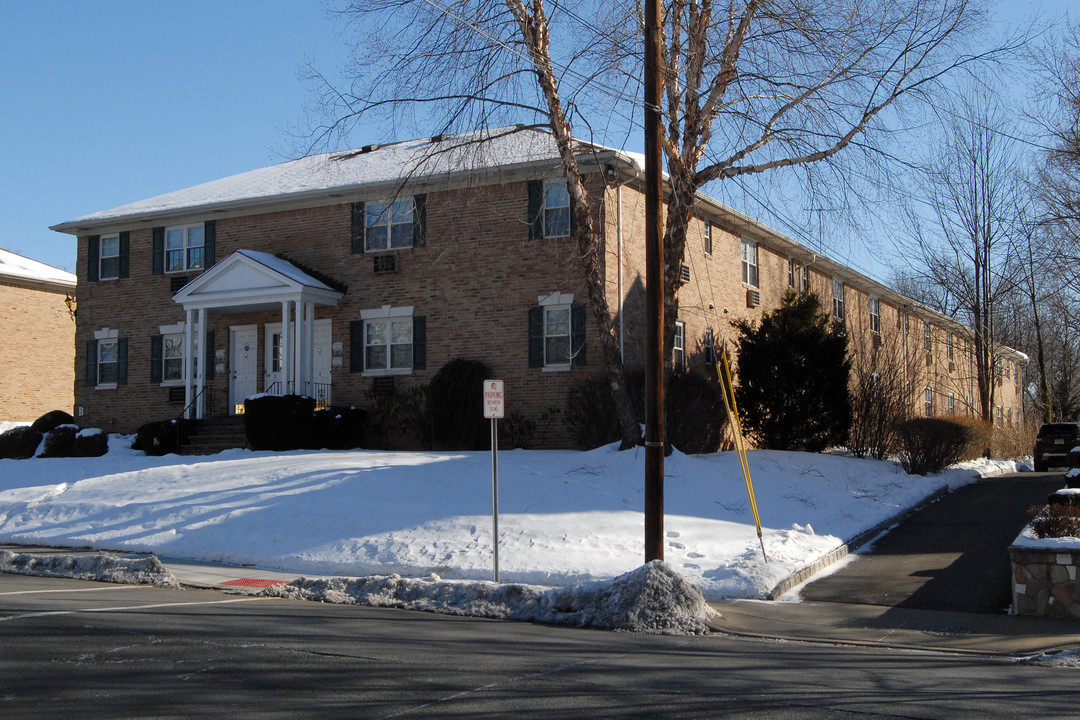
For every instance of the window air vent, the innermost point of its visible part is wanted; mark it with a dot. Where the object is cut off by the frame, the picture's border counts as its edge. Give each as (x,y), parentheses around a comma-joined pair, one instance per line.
(952,366)
(385,263)
(929,359)
(753,298)
(176,394)
(383,385)
(684,274)
(177,282)
(876,340)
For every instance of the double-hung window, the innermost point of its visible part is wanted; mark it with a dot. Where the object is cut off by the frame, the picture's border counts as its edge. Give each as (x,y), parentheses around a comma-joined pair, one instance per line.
(929,401)
(172,358)
(679,350)
(707,237)
(388,345)
(875,315)
(389,225)
(928,343)
(838,299)
(749,263)
(557,344)
(556,209)
(185,248)
(109,257)
(108,361)
(949,345)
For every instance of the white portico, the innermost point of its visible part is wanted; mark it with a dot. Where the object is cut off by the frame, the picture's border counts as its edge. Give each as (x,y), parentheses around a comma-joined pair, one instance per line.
(250,281)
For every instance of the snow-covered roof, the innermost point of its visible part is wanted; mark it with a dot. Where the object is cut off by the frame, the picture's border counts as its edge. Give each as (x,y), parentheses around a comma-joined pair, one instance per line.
(342,173)
(284,267)
(23,270)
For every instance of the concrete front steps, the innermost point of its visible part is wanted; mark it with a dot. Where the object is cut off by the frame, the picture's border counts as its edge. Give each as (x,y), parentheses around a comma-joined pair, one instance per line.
(212,435)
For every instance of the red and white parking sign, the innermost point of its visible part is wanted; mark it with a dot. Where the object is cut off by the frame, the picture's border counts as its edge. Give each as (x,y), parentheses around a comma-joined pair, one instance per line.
(494,400)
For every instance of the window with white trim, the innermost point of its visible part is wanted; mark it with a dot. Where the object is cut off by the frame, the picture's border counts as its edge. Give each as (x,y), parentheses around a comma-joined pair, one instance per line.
(707,237)
(388,225)
(875,315)
(108,361)
(388,345)
(678,354)
(557,335)
(749,262)
(109,257)
(172,358)
(952,404)
(929,401)
(556,209)
(185,247)
(838,299)
(710,347)
(928,343)
(791,273)
(949,344)
(804,282)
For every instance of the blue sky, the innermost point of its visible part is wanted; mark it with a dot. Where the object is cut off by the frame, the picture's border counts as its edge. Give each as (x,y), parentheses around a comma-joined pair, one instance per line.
(104,103)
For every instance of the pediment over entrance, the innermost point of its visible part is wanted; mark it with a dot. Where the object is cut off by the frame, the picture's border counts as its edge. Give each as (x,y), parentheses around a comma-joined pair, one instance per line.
(252,279)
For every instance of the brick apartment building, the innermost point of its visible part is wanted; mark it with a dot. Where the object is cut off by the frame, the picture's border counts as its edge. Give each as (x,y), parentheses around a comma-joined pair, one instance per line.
(37,338)
(384,263)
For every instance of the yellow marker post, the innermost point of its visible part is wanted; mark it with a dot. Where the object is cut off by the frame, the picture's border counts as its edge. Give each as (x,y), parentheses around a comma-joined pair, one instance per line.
(723,370)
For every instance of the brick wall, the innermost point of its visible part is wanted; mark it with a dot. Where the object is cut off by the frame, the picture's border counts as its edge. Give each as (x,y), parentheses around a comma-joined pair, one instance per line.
(36,344)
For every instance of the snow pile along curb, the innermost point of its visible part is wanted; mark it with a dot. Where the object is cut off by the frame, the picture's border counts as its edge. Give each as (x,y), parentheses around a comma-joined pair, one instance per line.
(653,598)
(100,567)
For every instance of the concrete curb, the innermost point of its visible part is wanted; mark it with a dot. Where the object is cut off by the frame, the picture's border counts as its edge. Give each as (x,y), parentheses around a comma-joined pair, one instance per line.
(844,549)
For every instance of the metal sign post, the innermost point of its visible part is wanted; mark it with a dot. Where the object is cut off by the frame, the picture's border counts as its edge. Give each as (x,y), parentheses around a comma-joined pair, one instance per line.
(494,409)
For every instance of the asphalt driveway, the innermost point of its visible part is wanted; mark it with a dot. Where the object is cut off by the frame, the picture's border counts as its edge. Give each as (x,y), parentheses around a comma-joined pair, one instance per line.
(951,555)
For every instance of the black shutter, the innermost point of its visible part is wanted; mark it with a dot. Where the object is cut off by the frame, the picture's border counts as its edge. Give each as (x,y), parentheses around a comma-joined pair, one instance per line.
(125,244)
(91,363)
(155,358)
(577,334)
(536,210)
(208,356)
(357,242)
(573,220)
(419,235)
(158,266)
(209,243)
(93,249)
(356,346)
(536,337)
(121,361)
(419,340)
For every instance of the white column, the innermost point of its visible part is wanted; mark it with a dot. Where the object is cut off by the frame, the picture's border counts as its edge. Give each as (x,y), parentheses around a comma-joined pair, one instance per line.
(189,365)
(309,347)
(286,349)
(200,379)
(298,350)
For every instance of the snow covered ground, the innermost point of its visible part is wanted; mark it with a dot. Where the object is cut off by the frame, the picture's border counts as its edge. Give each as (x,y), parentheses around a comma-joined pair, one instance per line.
(565,517)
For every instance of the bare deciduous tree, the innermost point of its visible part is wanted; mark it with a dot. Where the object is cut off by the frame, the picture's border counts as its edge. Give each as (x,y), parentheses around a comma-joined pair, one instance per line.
(964,232)
(752,86)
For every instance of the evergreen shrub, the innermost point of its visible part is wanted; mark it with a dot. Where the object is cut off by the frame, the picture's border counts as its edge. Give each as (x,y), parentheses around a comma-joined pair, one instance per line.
(161,437)
(52,420)
(456,403)
(60,442)
(279,422)
(19,443)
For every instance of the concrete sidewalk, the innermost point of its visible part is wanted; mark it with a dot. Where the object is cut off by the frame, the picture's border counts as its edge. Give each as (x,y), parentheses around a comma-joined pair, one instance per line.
(819,622)
(832,623)
(916,629)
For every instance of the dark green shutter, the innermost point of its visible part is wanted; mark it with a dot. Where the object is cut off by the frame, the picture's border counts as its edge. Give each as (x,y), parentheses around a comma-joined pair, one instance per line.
(419,236)
(577,334)
(208,356)
(419,340)
(125,244)
(121,361)
(155,358)
(209,243)
(536,209)
(158,265)
(91,363)
(536,337)
(356,346)
(93,249)
(357,231)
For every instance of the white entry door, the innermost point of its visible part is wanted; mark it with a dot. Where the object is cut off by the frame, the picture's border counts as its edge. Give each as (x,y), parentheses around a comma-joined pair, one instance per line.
(320,372)
(243,365)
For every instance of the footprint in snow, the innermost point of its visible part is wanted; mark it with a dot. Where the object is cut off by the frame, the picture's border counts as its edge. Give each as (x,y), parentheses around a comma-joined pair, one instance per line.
(672,533)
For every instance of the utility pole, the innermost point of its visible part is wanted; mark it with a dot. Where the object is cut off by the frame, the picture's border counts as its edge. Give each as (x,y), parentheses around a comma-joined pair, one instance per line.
(654,293)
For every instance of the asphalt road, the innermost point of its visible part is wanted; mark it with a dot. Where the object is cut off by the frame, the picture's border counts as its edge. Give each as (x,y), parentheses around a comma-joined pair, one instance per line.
(72,649)
(952,555)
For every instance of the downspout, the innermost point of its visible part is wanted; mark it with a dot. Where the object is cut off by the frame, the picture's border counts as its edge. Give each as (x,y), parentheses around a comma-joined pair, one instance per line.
(619,235)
